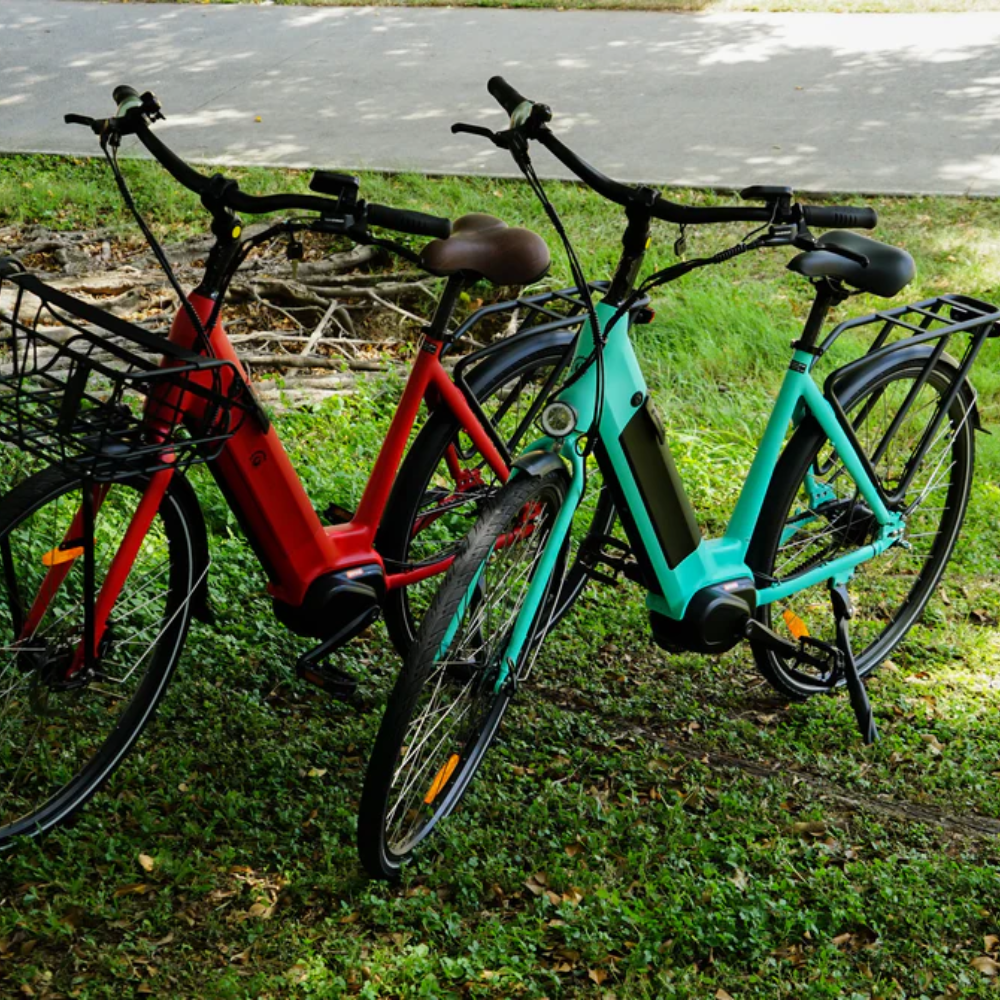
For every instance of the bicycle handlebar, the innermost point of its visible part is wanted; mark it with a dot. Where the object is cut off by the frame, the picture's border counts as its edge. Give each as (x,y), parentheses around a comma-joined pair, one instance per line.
(840,216)
(130,119)
(505,95)
(510,100)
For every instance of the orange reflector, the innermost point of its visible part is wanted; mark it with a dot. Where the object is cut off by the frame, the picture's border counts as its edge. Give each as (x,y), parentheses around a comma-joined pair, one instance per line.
(441,779)
(56,556)
(795,624)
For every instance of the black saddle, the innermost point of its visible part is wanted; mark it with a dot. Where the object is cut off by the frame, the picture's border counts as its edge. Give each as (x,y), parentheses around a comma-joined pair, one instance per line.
(888,271)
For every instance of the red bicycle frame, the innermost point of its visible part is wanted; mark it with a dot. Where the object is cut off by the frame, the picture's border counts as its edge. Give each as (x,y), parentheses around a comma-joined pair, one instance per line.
(261,485)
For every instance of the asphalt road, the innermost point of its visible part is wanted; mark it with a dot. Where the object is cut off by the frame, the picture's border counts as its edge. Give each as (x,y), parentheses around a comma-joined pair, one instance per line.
(869,103)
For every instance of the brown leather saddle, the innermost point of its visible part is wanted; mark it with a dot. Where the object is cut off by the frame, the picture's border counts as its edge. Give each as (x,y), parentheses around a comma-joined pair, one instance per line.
(482,246)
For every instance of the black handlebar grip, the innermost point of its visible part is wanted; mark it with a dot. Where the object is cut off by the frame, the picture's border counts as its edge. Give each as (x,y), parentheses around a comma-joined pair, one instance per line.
(415,223)
(506,96)
(840,217)
(123,92)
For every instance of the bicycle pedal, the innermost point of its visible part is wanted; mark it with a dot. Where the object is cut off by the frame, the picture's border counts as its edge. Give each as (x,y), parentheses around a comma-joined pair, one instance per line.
(763,638)
(335,682)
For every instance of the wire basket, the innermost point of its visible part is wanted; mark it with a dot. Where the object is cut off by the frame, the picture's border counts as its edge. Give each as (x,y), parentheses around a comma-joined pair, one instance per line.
(101,396)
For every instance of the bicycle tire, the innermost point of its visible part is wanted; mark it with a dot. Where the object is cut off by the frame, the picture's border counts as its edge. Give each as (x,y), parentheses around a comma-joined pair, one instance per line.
(48,772)
(883,612)
(408,500)
(452,673)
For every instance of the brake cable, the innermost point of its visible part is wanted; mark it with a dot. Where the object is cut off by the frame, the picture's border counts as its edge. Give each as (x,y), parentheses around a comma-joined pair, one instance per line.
(674,271)
(110,141)
(518,148)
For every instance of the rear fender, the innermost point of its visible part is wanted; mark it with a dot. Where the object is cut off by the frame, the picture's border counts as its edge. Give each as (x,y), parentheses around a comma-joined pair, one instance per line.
(848,391)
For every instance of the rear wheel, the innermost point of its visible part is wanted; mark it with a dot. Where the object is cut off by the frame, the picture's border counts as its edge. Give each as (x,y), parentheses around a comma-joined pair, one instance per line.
(814,512)
(450,698)
(62,734)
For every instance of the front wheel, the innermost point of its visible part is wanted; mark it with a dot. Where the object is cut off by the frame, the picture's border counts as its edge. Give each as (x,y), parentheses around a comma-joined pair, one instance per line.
(813,512)
(444,483)
(63,733)
(451,695)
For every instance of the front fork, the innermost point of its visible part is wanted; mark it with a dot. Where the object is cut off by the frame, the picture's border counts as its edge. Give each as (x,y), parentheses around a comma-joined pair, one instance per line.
(79,540)
(542,576)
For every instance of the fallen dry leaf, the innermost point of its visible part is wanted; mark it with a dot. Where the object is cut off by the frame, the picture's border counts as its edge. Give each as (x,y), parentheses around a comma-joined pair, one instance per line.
(986,965)
(536,884)
(133,889)
(812,826)
(297,974)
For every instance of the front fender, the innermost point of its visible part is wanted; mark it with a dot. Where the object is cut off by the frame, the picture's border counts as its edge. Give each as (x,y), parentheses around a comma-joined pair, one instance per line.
(182,493)
(539,462)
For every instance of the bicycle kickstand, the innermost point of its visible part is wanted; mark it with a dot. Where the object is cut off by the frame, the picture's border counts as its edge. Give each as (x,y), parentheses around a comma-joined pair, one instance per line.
(843,610)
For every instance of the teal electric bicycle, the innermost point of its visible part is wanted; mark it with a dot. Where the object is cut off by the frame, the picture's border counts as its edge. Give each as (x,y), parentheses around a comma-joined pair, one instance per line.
(844,525)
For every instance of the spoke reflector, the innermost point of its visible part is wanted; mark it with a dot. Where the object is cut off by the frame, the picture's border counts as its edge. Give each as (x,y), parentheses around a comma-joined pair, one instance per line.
(57,556)
(441,779)
(795,624)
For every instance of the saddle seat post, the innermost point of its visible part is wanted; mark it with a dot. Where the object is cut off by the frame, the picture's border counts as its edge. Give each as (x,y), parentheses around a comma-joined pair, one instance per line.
(828,294)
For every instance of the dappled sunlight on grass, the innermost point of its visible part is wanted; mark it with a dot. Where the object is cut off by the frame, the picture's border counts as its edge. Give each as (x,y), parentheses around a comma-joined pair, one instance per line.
(649,825)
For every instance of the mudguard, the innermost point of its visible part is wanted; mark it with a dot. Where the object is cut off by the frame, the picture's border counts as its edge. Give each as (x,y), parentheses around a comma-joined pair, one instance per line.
(182,493)
(539,462)
(853,384)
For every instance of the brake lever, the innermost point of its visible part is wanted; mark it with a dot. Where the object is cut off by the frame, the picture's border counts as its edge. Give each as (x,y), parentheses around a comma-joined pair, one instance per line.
(486,133)
(357,230)
(510,139)
(96,125)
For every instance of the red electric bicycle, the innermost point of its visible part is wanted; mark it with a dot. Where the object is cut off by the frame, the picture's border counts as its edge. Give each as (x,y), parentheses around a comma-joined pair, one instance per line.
(104,553)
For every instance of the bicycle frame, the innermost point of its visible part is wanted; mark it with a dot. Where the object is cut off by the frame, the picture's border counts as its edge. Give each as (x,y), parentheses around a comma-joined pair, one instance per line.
(261,486)
(706,562)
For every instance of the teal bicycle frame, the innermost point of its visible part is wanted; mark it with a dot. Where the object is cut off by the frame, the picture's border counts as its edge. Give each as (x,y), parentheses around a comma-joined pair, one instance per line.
(713,561)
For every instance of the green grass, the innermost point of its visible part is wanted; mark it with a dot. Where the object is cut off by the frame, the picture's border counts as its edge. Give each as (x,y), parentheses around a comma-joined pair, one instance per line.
(684,6)
(649,825)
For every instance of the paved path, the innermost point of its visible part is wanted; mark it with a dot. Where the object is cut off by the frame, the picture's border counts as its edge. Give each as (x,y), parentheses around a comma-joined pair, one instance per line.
(874,103)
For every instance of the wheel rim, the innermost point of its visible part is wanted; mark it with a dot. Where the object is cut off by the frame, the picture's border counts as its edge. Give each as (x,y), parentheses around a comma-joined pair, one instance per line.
(828,517)
(458,707)
(59,738)
(449,505)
